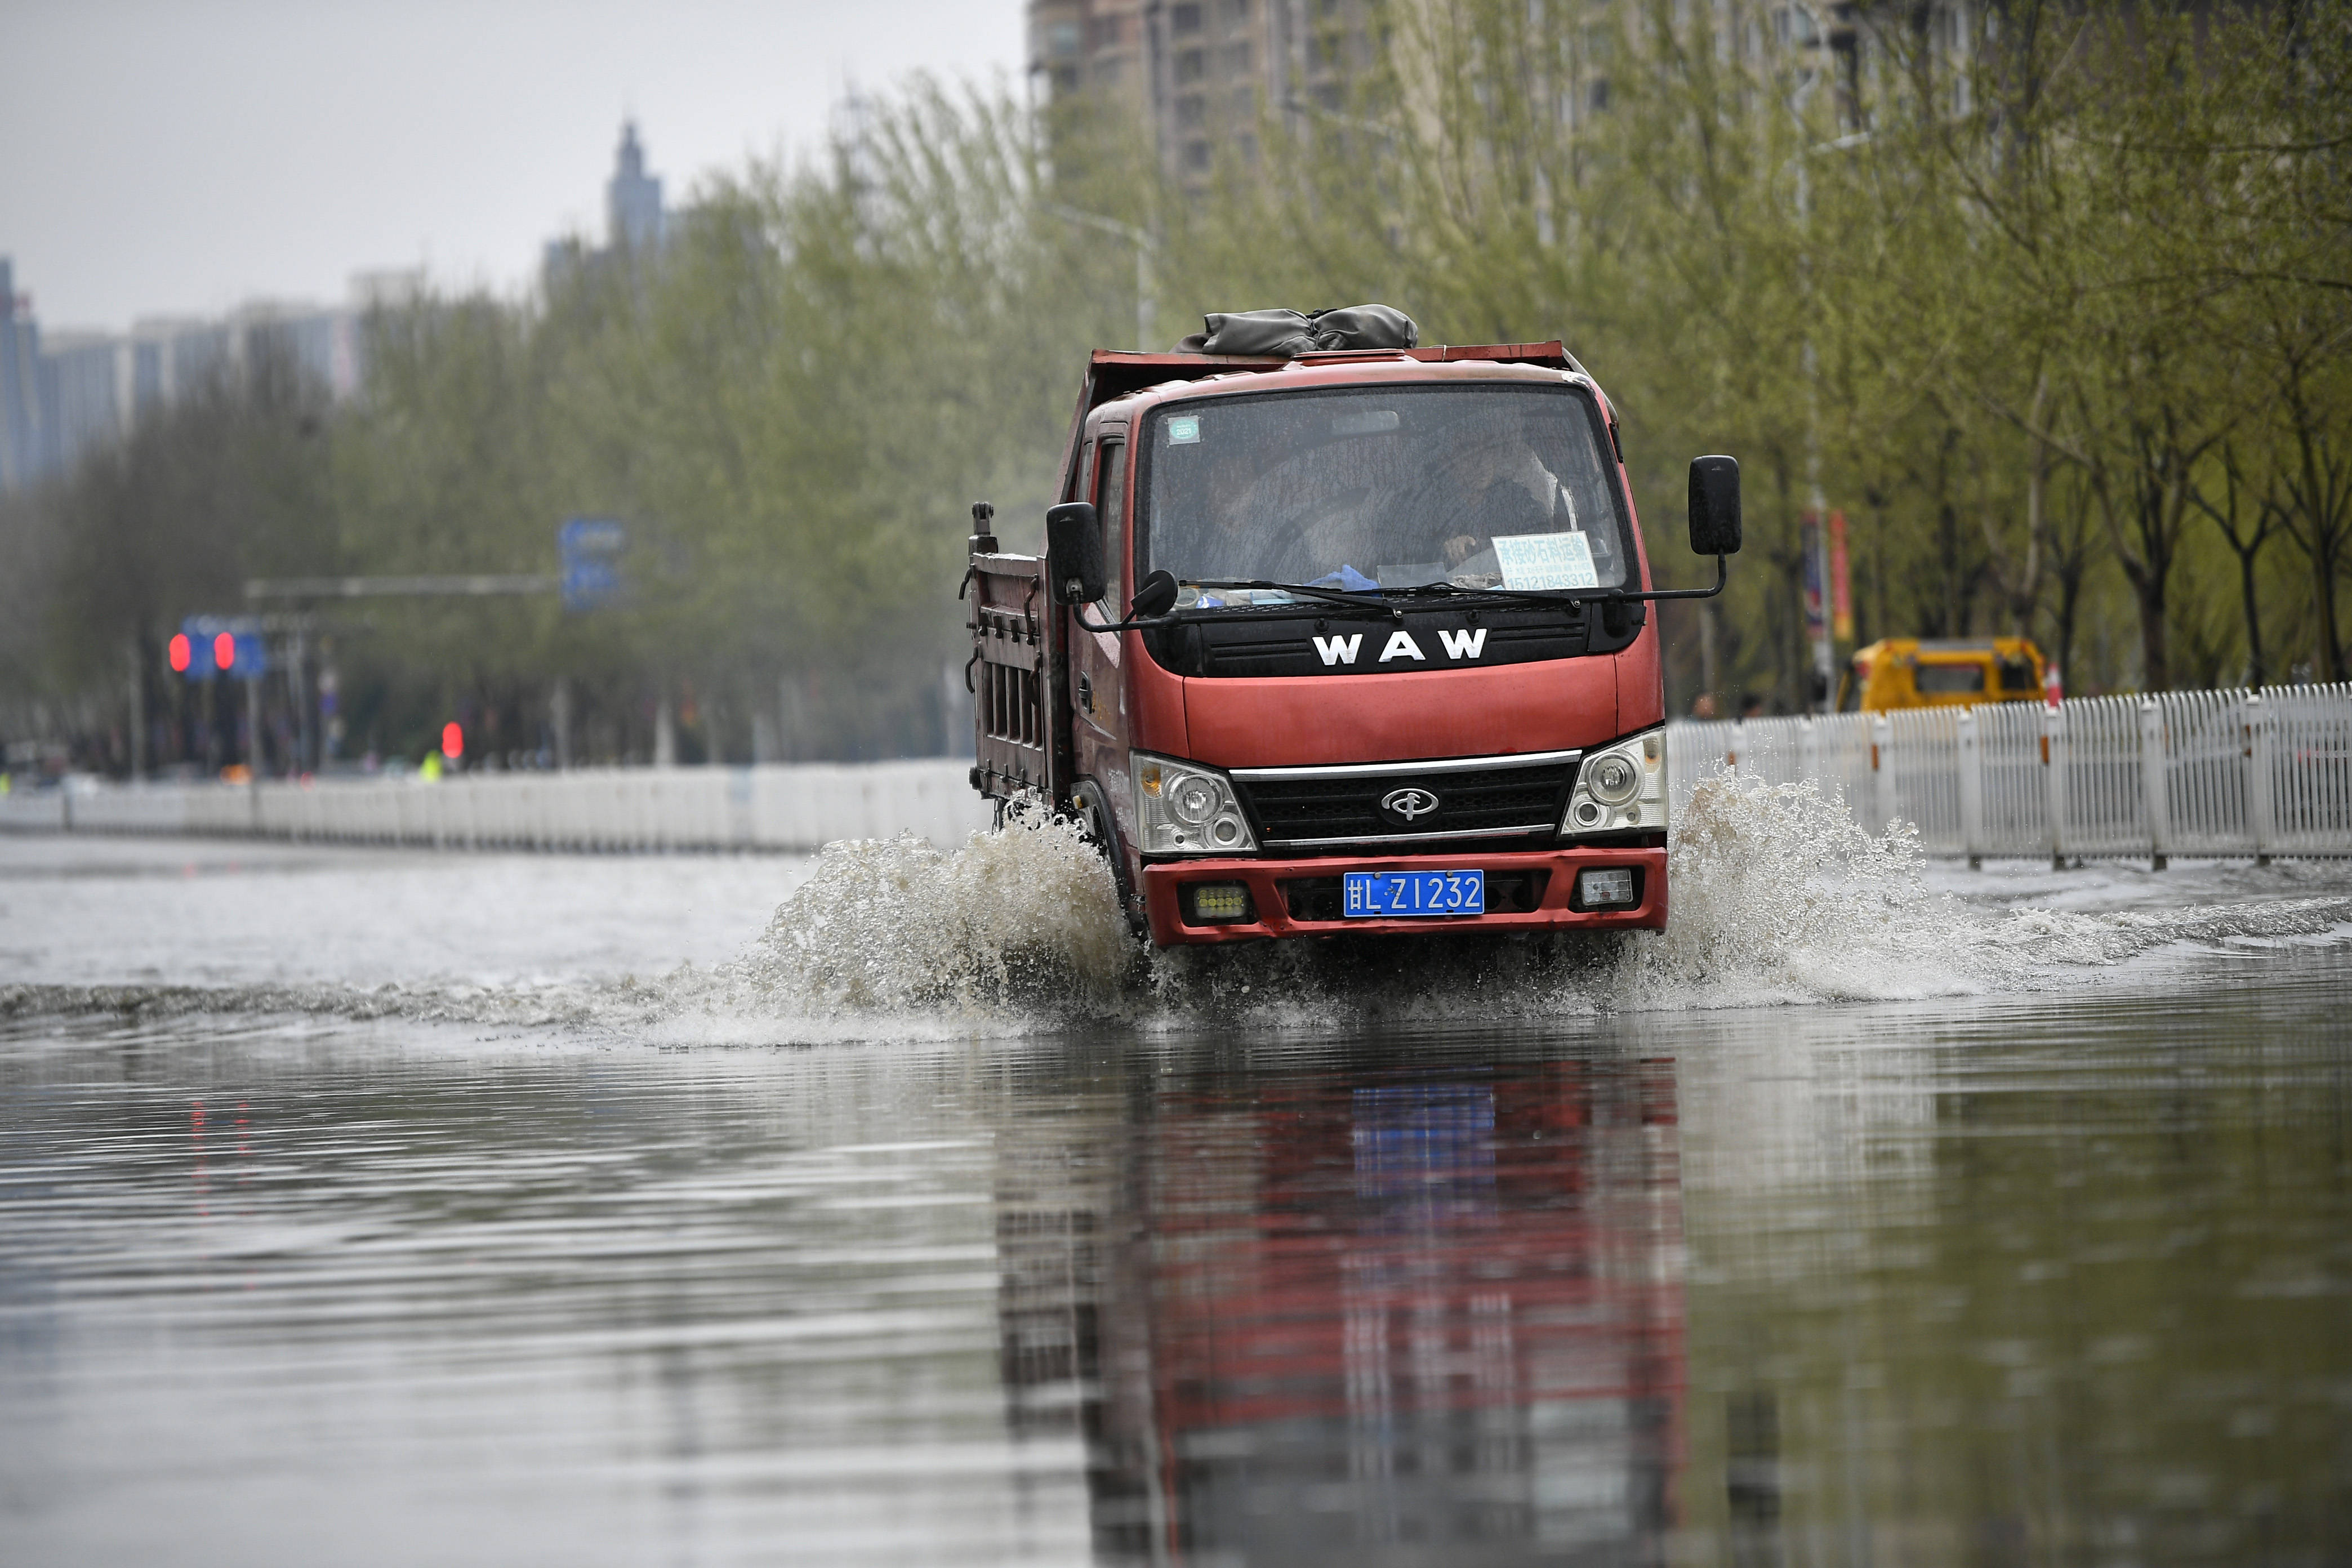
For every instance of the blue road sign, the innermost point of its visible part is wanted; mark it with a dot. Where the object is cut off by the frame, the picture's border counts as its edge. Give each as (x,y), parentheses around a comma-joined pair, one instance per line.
(225,645)
(590,549)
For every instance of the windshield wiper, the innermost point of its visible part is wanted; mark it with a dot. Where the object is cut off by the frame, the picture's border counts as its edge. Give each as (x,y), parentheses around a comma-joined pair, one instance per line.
(1378,599)
(1555,600)
(1329,595)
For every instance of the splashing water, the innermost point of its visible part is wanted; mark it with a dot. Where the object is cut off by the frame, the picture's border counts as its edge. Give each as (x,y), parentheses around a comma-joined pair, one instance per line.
(1778,897)
(1024,915)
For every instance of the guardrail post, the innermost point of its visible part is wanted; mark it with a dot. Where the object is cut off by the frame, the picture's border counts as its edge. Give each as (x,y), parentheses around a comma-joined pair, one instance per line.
(2153,799)
(2054,780)
(2261,811)
(1971,791)
(1882,768)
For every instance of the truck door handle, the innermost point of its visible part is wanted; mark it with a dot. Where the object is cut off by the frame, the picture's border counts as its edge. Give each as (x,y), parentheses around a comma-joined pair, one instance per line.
(1085,694)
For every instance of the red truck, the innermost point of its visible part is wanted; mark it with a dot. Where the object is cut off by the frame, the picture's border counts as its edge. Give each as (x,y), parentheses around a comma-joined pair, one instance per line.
(1385,663)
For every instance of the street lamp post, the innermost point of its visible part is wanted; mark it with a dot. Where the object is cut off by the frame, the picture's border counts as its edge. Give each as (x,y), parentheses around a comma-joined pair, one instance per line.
(1817,565)
(1146,250)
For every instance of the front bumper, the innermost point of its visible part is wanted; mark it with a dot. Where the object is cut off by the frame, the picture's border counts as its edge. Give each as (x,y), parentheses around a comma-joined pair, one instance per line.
(1527,890)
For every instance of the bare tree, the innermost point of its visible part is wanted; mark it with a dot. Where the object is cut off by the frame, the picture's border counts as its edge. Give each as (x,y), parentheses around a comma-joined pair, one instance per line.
(2246,534)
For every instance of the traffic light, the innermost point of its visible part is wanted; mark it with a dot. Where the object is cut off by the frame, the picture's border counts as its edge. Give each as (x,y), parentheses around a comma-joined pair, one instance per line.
(209,646)
(453,741)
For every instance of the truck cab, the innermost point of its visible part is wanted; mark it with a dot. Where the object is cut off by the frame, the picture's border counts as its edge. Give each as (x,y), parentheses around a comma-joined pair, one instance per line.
(1347,642)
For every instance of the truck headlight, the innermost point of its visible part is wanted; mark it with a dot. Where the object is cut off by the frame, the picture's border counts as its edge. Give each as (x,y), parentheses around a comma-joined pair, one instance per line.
(1621,786)
(1184,808)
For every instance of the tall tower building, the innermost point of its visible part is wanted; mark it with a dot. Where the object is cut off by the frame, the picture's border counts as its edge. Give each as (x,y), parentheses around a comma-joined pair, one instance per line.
(633,198)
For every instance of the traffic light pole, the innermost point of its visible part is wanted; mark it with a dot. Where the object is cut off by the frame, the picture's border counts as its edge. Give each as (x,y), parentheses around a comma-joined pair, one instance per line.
(306,591)
(490,585)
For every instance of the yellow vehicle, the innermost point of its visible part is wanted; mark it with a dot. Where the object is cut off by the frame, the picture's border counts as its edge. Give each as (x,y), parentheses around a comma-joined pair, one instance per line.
(1909,672)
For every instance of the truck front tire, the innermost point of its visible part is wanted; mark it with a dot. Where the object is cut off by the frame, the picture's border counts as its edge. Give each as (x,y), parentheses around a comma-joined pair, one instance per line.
(1092,809)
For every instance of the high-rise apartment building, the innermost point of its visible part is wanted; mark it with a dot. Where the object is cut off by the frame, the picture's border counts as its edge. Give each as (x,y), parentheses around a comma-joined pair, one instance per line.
(1202,77)
(81,407)
(20,395)
(64,395)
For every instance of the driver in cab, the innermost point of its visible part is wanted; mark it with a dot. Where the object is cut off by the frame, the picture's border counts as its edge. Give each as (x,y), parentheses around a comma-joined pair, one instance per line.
(1498,489)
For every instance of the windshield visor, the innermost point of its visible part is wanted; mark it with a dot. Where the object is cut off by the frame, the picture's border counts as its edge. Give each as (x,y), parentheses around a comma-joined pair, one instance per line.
(1476,486)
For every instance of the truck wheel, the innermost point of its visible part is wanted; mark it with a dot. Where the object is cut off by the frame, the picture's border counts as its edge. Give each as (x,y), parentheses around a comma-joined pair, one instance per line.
(1093,811)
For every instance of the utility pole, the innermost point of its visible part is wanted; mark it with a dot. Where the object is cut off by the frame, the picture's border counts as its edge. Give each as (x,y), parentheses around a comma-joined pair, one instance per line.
(298,685)
(138,712)
(560,708)
(253,728)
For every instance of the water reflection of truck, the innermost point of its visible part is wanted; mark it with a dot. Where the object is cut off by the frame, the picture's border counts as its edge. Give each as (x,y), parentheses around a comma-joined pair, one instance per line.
(1348,640)
(1357,1317)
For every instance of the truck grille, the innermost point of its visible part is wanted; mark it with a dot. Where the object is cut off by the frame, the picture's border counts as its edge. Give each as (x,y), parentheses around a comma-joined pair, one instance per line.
(1478,797)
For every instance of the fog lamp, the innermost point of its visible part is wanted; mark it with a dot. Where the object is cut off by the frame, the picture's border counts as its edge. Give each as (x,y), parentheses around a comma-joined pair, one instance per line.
(1215,903)
(1601,889)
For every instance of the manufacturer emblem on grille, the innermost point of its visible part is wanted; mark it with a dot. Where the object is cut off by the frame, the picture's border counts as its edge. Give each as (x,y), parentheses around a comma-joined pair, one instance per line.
(1408,806)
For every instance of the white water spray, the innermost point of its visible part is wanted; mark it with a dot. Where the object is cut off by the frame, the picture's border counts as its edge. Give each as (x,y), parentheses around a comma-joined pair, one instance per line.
(1023,916)
(1777,898)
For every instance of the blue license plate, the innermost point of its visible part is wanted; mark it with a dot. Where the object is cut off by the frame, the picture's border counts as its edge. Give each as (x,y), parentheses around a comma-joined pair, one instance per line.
(1387,894)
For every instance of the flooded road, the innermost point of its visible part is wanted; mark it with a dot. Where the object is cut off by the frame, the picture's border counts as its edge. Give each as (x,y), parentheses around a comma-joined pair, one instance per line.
(382,1219)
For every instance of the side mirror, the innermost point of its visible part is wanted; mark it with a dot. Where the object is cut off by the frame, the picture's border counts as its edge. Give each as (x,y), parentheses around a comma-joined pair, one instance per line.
(1155,596)
(1074,553)
(1715,506)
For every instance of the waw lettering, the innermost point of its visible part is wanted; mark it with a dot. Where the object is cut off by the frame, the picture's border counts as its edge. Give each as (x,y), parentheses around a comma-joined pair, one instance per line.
(1339,650)
(1470,643)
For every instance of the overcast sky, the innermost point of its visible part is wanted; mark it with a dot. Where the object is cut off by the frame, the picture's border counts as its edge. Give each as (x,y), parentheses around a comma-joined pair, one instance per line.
(163,157)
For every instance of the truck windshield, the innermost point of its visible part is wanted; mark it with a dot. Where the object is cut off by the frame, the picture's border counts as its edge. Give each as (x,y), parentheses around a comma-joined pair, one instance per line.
(1476,486)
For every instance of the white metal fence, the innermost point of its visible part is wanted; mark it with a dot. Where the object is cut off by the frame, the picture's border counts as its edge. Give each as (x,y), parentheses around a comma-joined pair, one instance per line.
(2182,772)
(2185,773)
(797,806)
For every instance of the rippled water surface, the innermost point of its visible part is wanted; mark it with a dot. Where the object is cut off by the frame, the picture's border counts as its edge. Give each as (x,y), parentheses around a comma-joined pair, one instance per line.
(1024,1254)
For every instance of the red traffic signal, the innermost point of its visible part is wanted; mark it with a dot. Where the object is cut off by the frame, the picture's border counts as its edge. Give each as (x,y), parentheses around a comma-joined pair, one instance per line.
(453,741)
(209,647)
